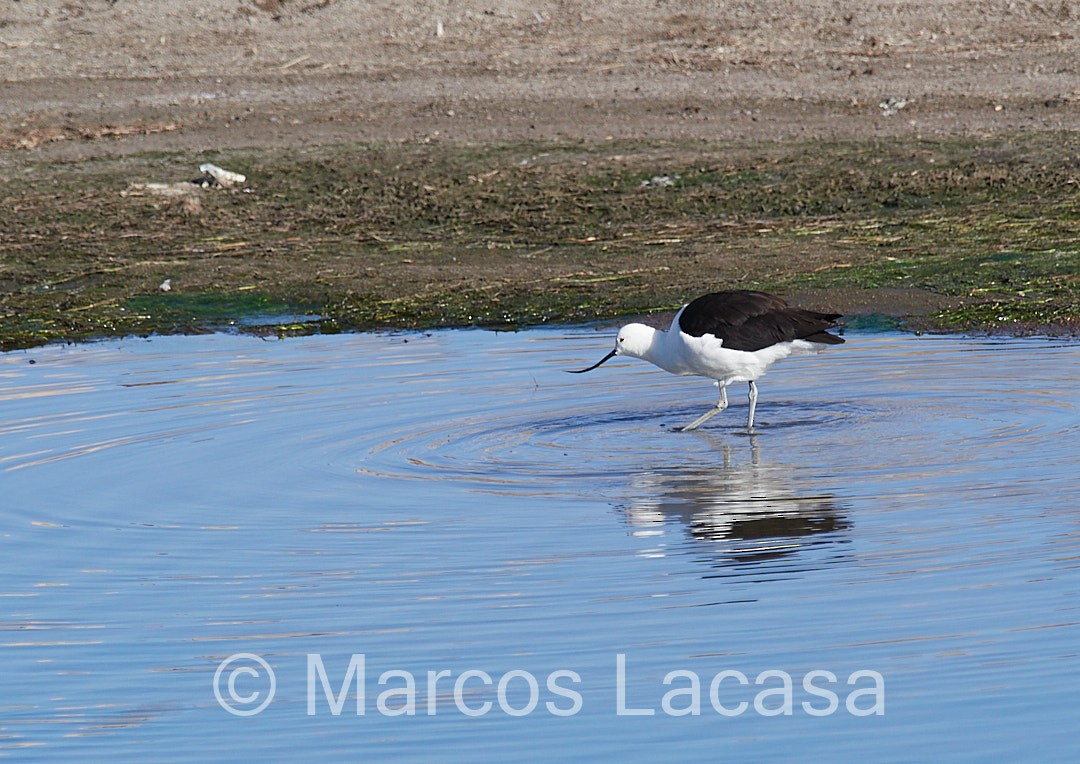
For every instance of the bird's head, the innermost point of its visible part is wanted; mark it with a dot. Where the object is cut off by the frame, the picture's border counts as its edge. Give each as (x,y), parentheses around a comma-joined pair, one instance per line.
(634,340)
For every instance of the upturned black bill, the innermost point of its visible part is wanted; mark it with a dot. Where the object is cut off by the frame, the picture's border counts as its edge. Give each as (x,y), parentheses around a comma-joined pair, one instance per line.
(606,358)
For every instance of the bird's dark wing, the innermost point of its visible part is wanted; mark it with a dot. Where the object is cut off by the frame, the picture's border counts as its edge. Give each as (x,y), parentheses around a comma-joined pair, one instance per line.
(751,321)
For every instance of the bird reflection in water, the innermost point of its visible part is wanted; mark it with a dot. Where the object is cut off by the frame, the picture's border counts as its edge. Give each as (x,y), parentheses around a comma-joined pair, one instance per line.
(742,510)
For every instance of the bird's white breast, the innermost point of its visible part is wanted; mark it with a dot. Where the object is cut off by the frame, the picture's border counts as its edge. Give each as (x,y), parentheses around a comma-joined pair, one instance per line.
(706,356)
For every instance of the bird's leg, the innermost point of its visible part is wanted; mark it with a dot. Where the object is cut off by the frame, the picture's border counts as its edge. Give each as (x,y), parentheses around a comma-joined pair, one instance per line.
(753,405)
(720,406)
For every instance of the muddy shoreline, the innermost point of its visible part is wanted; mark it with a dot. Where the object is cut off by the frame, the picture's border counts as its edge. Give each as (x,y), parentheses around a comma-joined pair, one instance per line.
(954,234)
(917,164)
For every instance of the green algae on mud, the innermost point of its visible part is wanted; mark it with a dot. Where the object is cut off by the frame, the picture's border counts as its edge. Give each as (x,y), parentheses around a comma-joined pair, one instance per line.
(425,235)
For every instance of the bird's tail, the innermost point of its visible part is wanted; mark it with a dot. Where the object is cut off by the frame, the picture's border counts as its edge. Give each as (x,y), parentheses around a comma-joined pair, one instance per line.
(824,338)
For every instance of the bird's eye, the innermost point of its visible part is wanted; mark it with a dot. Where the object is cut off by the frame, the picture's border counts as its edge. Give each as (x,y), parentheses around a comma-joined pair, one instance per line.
(620,340)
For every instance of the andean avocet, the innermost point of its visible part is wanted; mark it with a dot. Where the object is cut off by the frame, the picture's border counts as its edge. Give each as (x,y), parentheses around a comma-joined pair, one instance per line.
(730,336)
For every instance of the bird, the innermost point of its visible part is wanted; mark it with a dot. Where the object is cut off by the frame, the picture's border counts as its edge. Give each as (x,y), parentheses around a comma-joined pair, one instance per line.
(729,336)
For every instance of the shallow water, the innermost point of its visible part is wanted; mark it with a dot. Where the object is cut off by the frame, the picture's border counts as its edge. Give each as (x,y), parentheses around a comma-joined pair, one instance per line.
(455,502)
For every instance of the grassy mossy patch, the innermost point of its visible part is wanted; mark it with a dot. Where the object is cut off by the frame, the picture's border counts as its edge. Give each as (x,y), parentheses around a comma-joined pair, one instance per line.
(425,235)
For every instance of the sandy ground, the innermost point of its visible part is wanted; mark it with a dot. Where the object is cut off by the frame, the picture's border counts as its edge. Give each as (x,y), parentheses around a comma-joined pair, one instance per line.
(473,83)
(90,77)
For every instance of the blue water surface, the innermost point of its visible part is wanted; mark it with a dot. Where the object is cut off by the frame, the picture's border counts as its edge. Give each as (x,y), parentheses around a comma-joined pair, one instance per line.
(452,510)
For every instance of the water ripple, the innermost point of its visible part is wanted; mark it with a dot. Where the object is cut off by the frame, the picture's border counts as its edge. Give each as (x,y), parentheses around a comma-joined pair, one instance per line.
(457,501)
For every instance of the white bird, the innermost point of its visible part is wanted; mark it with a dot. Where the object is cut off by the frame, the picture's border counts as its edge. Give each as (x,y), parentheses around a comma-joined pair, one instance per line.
(730,336)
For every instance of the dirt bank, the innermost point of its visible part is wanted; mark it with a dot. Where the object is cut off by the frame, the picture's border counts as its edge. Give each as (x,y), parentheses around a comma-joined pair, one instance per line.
(534,126)
(259,73)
